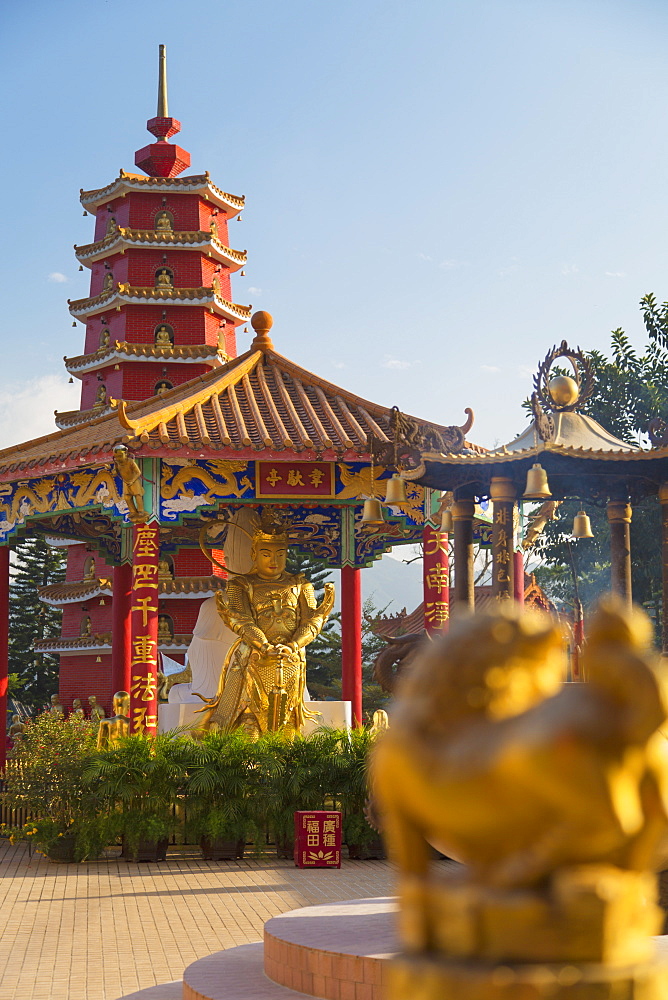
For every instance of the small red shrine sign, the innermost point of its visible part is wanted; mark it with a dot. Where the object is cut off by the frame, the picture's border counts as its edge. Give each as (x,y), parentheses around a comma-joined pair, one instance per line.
(318,839)
(295,479)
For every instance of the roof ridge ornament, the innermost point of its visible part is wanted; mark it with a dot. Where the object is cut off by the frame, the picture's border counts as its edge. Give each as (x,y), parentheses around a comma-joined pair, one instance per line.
(562,393)
(262,323)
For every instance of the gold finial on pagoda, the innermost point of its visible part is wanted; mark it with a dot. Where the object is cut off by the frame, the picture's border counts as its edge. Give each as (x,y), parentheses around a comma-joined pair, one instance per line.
(162,83)
(262,323)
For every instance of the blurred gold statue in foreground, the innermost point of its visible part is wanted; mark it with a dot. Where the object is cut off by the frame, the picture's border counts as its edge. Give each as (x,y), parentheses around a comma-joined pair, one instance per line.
(276,616)
(555,797)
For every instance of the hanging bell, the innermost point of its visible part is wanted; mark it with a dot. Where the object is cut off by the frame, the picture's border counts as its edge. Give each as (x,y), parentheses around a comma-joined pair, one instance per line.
(396,490)
(74,323)
(582,525)
(446,521)
(537,487)
(372,513)
(238,218)
(85,213)
(102,602)
(70,380)
(242,273)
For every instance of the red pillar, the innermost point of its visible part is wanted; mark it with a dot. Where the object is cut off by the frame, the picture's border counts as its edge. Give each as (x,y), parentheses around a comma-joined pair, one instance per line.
(518,577)
(351,640)
(144,623)
(435,580)
(121,632)
(4,649)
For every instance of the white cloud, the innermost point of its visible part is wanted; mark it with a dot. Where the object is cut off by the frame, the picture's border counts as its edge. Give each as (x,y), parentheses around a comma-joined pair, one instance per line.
(424,256)
(449,263)
(26,408)
(252,290)
(337,364)
(509,268)
(567,269)
(57,277)
(615,274)
(489,368)
(396,363)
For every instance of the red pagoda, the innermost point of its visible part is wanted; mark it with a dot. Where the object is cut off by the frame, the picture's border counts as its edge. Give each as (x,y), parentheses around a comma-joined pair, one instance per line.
(159,313)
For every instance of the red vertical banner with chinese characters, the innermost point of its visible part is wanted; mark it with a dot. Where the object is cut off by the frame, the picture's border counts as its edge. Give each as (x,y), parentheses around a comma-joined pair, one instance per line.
(436,580)
(502,492)
(144,624)
(318,839)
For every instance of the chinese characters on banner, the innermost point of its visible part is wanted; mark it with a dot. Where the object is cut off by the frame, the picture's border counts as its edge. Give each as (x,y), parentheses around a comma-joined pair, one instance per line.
(436,580)
(502,549)
(144,624)
(318,839)
(295,479)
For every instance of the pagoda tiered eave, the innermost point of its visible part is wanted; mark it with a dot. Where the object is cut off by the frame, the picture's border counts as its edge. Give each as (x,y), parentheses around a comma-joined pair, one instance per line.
(122,239)
(199,184)
(122,351)
(57,595)
(124,294)
(101,643)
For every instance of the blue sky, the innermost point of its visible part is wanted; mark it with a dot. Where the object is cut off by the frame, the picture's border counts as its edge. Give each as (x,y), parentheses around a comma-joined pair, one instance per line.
(437,191)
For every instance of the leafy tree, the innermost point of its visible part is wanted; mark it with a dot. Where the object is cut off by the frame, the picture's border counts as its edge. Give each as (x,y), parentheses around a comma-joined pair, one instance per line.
(36,564)
(631,389)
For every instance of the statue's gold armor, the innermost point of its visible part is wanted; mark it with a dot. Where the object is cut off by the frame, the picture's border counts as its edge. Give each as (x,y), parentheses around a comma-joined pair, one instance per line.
(275,616)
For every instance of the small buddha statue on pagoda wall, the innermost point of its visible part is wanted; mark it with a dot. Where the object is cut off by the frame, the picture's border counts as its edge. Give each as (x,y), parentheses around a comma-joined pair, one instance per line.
(118,725)
(163,279)
(213,227)
(275,615)
(105,339)
(89,568)
(100,396)
(164,629)
(163,386)
(163,223)
(164,570)
(162,337)
(97,713)
(86,628)
(112,227)
(77,710)
(108,283)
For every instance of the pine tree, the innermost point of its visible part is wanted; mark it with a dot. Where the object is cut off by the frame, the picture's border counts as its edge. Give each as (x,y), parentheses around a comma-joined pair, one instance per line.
(35,565)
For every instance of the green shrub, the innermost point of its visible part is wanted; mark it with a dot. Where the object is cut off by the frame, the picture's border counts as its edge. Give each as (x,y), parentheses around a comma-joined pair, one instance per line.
(45,775)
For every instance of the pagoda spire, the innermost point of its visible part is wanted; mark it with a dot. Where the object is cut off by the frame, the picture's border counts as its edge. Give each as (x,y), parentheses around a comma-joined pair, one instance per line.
(162,158)
(163,111)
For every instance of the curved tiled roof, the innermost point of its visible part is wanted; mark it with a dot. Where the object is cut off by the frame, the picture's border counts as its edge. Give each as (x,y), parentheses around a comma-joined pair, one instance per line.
(255,403)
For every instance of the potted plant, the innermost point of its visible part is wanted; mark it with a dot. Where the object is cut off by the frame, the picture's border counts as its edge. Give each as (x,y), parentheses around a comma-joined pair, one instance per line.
(363,840)
(223,779)
(141,777)
(298,773)
(45,776)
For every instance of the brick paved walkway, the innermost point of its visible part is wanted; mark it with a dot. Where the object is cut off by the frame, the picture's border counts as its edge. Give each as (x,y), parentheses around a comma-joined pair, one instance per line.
(103,929)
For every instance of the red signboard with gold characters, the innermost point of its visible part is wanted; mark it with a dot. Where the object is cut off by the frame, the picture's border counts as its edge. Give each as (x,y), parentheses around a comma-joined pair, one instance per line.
(295,479)
(318,839)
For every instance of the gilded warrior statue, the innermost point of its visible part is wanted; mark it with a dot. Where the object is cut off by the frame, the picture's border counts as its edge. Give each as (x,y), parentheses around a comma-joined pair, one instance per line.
(275,615)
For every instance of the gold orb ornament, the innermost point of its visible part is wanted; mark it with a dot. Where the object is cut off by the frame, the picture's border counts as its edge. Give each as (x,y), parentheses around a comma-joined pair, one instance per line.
(563,390)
